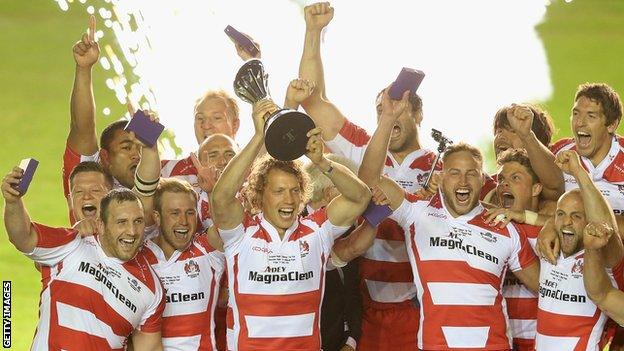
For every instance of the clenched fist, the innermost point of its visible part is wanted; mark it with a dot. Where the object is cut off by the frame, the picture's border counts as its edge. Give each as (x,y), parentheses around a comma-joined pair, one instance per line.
(318,15)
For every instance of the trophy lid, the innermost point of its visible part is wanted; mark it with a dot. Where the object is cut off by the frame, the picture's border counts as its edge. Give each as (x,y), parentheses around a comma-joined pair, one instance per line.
(286,134)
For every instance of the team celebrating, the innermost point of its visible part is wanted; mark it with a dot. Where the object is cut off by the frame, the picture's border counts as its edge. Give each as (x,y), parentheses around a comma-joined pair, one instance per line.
(232,249)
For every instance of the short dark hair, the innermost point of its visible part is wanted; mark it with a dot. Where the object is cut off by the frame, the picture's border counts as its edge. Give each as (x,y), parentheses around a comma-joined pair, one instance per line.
(608,99)
(90,166)
(108,134)
(520,156)
(414,100)
(119,196)
(542,126)
(172,185)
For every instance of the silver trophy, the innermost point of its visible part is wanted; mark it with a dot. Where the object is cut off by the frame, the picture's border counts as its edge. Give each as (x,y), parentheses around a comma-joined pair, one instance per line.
(285,131)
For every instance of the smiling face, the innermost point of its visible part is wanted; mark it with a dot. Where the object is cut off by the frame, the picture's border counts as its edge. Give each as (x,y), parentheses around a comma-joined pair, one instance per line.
(124,225)
(281,199)
(570,221)
(591,132)
(87,190)
(177,220)
(213,115)
(461,182)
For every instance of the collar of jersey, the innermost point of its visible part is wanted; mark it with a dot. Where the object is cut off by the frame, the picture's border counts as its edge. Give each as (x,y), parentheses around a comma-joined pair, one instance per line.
(465,217)
(597,172)
(575,256)
(409,158)
(160,254)
(270,229)
(102,254)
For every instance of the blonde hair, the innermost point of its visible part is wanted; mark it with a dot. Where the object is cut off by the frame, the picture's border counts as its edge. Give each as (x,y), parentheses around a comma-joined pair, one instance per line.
(229,101)
(171,185)
(253,190)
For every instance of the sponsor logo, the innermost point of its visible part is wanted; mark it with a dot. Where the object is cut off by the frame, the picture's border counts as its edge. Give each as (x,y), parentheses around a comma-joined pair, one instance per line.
(436,215)
(304,248)
(489,236)
(265,250)
(134,284)
(86,267)
(191,268)
(452,244)
(549,289)
(180,297)
(621,189)
(279,274)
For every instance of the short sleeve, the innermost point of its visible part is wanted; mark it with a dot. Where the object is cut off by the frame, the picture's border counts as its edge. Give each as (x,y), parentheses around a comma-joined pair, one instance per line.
(405,214)
(522,254)
(232,238)
(328,232)
(350,142)
(152,318)
(53,244)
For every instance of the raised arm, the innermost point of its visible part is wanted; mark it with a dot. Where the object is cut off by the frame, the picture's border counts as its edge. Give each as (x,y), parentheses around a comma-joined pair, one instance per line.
(597,283)
(324,113)
(226,209)
(147,173)
(82,137)
(354,194)
(16,218)
(542,160)
(597,208)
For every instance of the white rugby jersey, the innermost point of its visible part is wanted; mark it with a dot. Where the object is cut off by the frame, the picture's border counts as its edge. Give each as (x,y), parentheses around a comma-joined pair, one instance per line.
(522,302)
(608,175)
(182,169)
(203,211)
(385,270)
(70,160)
(276,286)
(567,320)
(191,280)
(90,301)
(459,265)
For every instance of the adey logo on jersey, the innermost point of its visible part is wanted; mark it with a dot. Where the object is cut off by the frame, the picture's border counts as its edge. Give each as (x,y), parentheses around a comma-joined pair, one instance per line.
(191,268)
(134,284)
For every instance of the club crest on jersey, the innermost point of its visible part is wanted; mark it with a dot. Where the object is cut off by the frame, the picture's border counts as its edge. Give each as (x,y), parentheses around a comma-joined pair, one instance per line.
(577,269)
(421,178)
(191,268)
(488,236)
(621,189)
(134,284)
(304,248)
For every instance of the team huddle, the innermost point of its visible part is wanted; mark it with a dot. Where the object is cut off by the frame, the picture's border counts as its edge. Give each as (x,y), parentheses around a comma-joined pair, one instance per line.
(231,249)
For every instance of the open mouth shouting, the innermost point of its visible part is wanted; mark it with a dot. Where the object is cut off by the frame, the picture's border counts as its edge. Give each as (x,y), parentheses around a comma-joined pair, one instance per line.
(396,131)
(89,211)
(568,237)
(507,199)
(127,243)
(181,234)
(286,213)
(583,139)
(462,195)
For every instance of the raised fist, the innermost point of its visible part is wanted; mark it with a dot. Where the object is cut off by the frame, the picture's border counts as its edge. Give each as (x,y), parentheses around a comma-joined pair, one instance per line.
(244,54)
(520,119)
(596,235)
(86,50)
(299,90)
(314,148)
(318,15)
(569,162)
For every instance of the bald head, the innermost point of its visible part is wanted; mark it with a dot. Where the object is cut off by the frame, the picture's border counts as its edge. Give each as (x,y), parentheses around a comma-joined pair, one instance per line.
(217,150)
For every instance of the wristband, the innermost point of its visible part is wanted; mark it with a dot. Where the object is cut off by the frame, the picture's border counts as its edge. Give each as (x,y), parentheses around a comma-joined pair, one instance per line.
(145,188)
(530,217)
(329,170)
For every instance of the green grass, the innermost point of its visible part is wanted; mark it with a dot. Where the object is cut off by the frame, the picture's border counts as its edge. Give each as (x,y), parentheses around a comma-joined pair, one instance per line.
(584,41)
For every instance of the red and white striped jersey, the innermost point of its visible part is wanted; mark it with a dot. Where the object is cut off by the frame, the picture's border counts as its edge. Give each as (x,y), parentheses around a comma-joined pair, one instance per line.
(90,301)
(191,280)
(608,175)
(567,320)
(459,265)
(385,270)
(182,169)
(70,160)
(276,286)
(203,211)
(522,302)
